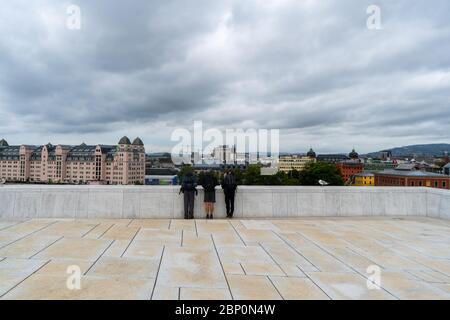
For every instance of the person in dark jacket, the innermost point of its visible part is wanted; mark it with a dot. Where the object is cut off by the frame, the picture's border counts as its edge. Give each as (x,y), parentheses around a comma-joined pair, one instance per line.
(189,189)
(229,187)
(209,183)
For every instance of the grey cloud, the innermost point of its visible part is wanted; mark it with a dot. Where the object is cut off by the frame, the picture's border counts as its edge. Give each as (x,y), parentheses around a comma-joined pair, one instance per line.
(310,68)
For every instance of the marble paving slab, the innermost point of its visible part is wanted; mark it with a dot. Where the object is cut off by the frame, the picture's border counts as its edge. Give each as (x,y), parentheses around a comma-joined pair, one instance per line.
(296,258)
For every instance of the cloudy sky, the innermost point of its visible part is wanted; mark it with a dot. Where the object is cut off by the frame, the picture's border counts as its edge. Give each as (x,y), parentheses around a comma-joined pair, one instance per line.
(309,68)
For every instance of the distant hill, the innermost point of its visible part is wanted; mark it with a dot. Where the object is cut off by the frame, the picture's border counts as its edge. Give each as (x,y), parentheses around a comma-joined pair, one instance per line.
(436,150)
(159,155)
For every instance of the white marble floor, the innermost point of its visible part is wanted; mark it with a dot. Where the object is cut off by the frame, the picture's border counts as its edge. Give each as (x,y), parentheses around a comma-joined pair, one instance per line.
(310,258)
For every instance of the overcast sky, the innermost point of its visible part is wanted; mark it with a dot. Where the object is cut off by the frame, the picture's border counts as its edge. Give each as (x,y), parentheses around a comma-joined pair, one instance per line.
(309,68)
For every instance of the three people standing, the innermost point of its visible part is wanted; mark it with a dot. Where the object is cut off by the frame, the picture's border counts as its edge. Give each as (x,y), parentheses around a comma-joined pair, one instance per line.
(209,183)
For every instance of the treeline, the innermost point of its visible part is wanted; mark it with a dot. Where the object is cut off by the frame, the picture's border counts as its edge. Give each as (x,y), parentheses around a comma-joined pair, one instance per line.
(310,176)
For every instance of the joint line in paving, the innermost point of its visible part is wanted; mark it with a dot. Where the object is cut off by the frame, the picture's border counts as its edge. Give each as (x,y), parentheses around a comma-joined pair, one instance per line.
(345,263)
(432,269)
(299,253)
(242,267)
(364,256)
(14,224)
(196,230)
(31,257)
(235,230)
(182,233)
(89,269)
(129,244)
(91,230)
(29,234)
(275,287)
(157,272)
(316,284)
(15,286)
(104,232)
(279,266)
(221,265)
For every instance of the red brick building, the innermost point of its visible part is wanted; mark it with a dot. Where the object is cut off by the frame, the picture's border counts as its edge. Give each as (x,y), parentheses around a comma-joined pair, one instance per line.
(411,178)
(350,168)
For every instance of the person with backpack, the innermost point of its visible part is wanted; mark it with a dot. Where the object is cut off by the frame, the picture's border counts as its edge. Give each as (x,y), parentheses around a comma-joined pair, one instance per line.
(209,183)
(229,187)
(189,189)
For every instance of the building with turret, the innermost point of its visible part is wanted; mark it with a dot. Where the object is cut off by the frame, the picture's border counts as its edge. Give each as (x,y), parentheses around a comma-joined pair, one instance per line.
(123,163)
(296,162)
(351,167)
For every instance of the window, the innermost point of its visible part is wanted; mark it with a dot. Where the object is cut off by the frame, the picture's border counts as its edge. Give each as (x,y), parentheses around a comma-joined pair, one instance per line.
(436,184)
(420,183)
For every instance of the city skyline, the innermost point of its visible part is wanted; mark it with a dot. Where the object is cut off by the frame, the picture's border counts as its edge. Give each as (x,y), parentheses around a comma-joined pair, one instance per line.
(303,151)
(147,69)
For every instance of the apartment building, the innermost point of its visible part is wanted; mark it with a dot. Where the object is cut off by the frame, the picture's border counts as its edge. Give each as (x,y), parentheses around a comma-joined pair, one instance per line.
(296,162)
(123,163)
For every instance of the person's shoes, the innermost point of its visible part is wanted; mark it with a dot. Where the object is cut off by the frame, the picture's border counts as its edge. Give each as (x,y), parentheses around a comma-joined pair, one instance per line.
(211,216)
(207,216)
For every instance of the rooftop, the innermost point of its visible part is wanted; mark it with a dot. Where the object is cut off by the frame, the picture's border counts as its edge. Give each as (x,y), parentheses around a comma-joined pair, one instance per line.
(365,174)
(124,140)
(161,172)
(412,173)
(76,152)
(302,258)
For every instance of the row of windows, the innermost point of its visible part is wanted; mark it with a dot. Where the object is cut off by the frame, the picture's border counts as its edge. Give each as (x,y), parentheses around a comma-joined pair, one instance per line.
(414,183)
(428,184)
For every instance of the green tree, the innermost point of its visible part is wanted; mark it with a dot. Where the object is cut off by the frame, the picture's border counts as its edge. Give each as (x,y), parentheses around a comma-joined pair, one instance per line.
(184,169)
(252,175)
(314,172)
(239,174)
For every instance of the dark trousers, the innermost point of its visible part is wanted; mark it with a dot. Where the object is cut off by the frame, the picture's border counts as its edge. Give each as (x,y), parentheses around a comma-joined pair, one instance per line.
(189,197)
(229,202)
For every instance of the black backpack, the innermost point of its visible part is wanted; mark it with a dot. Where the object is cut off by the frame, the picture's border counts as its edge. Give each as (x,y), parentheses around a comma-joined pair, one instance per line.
(188,183)
(230,182)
